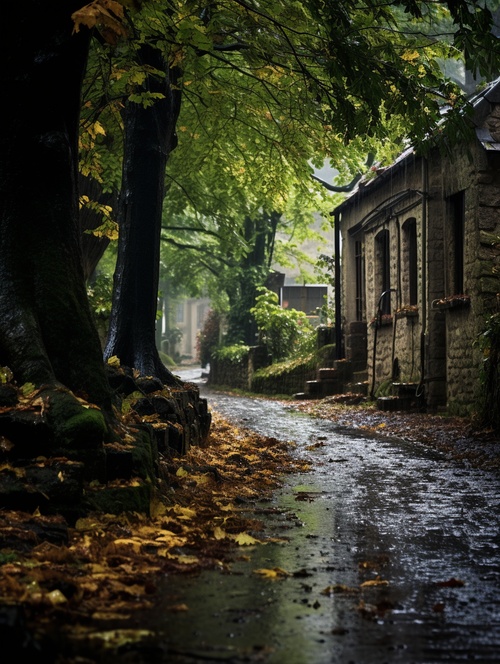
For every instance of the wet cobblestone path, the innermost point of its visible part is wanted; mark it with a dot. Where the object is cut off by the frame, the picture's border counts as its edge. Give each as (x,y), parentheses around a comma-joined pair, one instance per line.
(421,530)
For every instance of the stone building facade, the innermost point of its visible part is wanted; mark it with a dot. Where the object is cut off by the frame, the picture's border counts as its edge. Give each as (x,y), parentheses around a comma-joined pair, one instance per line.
(420,268)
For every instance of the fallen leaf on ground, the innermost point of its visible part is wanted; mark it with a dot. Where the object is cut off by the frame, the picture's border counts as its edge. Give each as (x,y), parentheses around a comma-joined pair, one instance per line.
(274,573)
(374,582)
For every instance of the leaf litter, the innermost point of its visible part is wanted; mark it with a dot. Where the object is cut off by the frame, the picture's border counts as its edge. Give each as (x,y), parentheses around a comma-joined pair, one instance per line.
(70,582)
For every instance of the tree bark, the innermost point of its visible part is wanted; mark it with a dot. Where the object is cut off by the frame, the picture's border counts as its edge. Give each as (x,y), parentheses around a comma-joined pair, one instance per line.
(47,333)
(259,234)
(149,139)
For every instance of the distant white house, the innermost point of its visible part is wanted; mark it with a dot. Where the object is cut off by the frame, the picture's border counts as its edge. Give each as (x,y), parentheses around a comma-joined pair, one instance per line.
(186,319)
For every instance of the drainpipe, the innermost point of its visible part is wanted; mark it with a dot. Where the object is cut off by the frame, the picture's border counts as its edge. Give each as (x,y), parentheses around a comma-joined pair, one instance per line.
(399,296)
(425,193)
(339,346)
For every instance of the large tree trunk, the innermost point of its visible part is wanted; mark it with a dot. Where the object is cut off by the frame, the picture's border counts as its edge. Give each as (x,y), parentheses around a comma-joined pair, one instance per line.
(47,334)
(149,139)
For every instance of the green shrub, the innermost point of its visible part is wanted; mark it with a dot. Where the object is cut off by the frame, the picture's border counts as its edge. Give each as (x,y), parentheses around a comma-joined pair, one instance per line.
(100,294)
(286,332)
(234,354)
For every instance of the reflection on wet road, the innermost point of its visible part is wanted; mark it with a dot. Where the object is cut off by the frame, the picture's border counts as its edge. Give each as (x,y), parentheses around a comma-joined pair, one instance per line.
(421,530)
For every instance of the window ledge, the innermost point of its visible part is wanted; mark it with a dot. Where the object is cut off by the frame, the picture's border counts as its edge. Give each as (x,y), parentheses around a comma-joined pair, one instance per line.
(452,302)
(410,311)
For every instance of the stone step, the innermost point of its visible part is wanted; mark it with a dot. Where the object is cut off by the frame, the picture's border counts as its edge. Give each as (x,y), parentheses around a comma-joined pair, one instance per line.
(301,396)
(357,388)
(360,376)
(328,372)
(344,368)
(313,388)
(325,387)
(394,403)
(405,389)
(115,498)
(332,386)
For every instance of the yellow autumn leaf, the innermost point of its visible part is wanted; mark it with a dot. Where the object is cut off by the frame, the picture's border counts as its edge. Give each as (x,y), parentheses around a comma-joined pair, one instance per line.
(244,539)
(374,582)
(114,361)
(275,573)
(219,533)
(56,597)
(157,508)
(409,56)
(128,544)
(169,538)
(18,472)
(183,559)
(96,129)
(184,512)
(146,531)
(181,472)
(200,479)
(226,508)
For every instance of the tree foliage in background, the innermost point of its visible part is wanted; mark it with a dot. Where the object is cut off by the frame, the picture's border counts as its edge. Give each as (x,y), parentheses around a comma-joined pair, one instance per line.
(262,108)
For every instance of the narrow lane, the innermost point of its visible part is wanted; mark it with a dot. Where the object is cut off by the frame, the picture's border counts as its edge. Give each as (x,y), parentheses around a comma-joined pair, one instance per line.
(422,530)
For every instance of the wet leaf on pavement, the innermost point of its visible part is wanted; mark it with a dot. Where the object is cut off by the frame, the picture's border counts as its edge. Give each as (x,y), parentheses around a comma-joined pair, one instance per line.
(274,573)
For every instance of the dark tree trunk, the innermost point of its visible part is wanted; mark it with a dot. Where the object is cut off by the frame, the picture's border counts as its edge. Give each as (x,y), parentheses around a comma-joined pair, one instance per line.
(47,334)
(259,234)
(149,139)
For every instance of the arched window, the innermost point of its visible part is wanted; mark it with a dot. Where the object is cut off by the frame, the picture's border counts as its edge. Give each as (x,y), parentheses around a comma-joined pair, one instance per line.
(410,261)
(359,257)
(383,269)
(456,205)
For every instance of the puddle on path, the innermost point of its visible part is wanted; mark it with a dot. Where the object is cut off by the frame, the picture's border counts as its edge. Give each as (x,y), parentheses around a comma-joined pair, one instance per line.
(370,510)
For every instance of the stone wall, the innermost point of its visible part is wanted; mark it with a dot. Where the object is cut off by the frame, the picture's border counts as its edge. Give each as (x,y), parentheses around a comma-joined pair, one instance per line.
(238,373)
(463,361)
(288,382)
(229,373)
(285,378)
